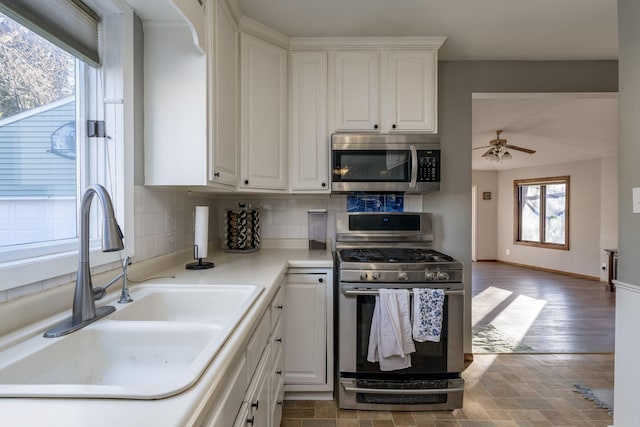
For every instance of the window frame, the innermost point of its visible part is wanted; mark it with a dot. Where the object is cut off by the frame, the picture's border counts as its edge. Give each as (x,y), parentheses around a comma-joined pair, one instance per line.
(517,216)
(113,83)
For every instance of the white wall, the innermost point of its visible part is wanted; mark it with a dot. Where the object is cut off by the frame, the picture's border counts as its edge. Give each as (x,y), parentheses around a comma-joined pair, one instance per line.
(486,214)
(583,256)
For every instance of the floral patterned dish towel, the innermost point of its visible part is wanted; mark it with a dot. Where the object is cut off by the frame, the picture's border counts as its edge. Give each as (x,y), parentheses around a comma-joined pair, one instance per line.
(428,305)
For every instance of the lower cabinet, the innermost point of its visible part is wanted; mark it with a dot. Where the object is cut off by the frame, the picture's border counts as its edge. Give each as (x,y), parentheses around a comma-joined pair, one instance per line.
(253,390)
(309,331)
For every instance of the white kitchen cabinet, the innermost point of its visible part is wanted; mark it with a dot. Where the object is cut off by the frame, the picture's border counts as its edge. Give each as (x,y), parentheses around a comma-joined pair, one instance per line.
(263,124)
(309,331)
(413,90)
(386,91)
(357,90)
(224,134)
(258,395)
(308,132)
(182,108)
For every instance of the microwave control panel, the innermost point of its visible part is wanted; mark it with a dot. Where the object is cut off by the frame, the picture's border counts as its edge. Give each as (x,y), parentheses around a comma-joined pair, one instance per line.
(428,165)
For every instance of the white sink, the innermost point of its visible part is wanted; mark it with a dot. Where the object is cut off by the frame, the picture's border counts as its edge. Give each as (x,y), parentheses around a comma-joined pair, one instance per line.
(188,303)
(155,347)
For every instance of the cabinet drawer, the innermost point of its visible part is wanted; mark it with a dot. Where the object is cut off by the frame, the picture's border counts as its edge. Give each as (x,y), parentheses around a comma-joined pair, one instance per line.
(277,307)
(242,420)
(257,344)
(227,405)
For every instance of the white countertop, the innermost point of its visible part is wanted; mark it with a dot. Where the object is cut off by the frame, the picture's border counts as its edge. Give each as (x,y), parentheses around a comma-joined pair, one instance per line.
(265,267)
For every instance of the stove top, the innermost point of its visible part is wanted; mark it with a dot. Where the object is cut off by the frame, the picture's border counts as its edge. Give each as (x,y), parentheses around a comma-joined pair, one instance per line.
(393,255)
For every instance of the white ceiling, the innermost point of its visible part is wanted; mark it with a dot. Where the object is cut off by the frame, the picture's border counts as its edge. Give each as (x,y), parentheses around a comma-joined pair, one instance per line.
(475,29)
(561,128)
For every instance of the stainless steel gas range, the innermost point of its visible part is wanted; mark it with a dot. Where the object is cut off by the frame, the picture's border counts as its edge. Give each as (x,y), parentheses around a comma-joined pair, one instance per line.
(393,250)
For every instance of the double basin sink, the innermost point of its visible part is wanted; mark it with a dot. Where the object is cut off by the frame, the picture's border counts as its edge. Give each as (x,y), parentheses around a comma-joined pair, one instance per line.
(157,346)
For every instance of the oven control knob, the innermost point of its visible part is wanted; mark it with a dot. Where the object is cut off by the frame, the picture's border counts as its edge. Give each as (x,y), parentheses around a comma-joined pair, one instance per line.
(443,275)
(363,276)
(431,275)
(403,276)
(375,275)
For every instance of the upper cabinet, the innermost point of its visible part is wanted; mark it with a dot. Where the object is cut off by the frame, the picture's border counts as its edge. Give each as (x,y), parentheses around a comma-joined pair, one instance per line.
(386,91)
(357,90)
(308,132)
(413,91)
(225,85)
(263,134)
(189,56)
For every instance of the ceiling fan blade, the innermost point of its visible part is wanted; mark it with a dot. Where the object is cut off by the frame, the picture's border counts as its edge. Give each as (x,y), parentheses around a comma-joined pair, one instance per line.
(489,151)
(524,150)
(484,146)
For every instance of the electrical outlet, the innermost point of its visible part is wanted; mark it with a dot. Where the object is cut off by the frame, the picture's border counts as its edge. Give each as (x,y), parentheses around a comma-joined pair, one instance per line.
(508,251)
(603,266)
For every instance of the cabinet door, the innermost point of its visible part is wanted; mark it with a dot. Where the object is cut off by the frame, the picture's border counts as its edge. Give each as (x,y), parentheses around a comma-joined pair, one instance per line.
(308,122)
(412,91)
(223,161)
(357,91)
(306,329)
(263,119)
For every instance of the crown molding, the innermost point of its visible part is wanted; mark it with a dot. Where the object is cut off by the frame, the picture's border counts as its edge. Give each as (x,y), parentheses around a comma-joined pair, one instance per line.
(264,32)
(324,43)
(234,8)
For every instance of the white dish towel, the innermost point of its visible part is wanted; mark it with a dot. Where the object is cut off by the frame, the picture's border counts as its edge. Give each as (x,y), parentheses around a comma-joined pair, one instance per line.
(390,340)
(428,305)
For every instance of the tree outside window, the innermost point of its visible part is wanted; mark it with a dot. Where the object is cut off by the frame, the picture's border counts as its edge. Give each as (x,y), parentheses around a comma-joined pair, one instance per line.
(542,212)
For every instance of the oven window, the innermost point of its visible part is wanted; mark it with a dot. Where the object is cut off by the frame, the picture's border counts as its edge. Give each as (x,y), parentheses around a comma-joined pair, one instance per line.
(429,357)
(372,165)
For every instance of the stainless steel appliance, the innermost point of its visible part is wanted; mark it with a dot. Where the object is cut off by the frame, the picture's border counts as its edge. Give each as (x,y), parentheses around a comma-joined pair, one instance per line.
(392,250)
(408,163)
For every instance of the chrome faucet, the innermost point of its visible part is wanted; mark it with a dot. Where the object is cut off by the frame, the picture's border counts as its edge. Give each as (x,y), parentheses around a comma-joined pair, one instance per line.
(84,307)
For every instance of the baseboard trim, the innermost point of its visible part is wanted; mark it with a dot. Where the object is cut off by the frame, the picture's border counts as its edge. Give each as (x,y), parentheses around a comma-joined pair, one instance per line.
(550,270)
(486,260)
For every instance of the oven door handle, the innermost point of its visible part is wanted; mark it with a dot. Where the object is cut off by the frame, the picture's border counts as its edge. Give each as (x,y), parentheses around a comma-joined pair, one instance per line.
(349,387)
(356,292)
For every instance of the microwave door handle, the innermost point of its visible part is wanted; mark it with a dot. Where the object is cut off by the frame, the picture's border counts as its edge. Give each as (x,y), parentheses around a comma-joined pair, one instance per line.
(414,167)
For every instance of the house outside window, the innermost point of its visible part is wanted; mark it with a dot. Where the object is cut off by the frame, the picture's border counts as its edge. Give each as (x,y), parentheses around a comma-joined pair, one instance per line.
(542,212)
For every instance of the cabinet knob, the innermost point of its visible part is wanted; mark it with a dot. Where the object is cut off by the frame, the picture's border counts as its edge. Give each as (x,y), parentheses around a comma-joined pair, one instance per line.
(246,182)
(250,420)
(279,402)
(256,405)
(278,340)
(324,184)
(393,126)
(217,174)
(375,126)
(321,280)
(279,307)
(279,372)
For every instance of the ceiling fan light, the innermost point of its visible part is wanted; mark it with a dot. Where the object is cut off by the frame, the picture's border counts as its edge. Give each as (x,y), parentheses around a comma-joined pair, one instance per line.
(506,156)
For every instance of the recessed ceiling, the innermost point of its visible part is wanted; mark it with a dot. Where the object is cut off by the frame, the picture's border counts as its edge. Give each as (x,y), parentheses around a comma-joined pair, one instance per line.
(475,29)
(561,127)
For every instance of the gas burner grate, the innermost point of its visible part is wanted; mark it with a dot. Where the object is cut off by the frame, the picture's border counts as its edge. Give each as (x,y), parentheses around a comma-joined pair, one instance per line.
(393,255)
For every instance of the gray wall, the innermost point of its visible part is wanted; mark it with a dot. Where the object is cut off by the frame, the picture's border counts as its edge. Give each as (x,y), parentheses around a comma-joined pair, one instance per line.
(457,81)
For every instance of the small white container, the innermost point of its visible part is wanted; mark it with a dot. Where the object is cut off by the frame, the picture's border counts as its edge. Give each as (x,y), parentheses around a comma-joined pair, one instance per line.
(317,229)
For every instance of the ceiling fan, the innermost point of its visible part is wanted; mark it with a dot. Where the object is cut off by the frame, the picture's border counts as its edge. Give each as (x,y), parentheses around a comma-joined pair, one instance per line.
(497,151)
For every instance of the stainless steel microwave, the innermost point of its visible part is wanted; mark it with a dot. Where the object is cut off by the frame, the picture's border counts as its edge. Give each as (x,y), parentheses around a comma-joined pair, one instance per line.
(408,163)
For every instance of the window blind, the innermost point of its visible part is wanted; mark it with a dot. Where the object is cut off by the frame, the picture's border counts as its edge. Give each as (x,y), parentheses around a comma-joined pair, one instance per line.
(69,24)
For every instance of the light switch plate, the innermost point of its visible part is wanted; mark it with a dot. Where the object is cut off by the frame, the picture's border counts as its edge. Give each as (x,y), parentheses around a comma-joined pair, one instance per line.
(636,200)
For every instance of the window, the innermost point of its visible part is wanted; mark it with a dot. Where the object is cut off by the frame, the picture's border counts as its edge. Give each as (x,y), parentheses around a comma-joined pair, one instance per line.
(47,94)
(542,212)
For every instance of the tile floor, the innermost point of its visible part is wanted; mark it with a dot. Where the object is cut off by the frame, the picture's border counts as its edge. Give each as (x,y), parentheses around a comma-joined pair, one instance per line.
(501,390)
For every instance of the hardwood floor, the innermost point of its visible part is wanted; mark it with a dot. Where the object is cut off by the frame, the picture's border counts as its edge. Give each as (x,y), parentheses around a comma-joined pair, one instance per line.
(549,312)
